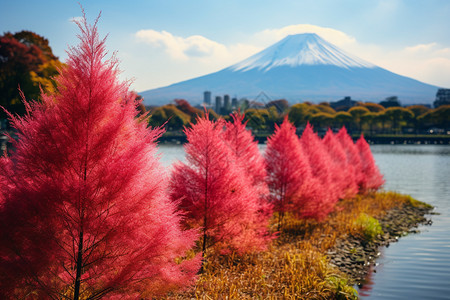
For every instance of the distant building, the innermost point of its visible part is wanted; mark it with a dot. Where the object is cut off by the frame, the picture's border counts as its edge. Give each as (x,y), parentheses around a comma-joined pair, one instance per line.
(390,102)
(226,104)
(207,98)
(218,104)
(442,97)
(234,103)
(343,104)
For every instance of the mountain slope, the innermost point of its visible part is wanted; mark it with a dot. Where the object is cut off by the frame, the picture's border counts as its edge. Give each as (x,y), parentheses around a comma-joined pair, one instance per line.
(301,67)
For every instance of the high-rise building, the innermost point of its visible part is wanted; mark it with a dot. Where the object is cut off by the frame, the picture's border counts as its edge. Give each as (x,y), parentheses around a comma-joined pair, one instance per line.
(218,104)
(226,104)
(207,98)
(234,103)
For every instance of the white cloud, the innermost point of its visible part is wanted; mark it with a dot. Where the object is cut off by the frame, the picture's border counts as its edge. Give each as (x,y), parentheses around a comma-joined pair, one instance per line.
(427,62)
(182,48)
(421,48)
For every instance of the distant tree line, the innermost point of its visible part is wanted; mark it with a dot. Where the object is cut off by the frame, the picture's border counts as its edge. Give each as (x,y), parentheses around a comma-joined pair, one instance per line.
(368,118)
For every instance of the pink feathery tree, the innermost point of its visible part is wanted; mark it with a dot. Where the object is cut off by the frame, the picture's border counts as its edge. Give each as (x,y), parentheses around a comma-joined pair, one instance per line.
(214,195)
(353,157)
(342,173)
(84,210)
(373,179)
(320,163)
(290,180)
(248,156)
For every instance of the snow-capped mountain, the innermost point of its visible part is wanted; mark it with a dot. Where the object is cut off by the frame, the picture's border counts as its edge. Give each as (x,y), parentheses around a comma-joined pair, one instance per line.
(302,67)
(297,50)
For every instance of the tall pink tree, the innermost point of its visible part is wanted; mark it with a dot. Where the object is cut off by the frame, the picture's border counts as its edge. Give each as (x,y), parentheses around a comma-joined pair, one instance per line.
(289,175)
(342,173)
(353,157)
(84,210)
(372,178)
(214,196)
(321,167)
(248,156)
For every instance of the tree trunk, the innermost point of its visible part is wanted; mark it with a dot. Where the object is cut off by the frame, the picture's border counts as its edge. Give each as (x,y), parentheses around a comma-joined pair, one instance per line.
(76,293)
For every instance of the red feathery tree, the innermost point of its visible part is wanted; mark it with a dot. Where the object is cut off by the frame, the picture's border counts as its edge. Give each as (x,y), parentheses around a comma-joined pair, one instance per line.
(342,173)
(246,151)
(373,179)
(84,211)
(353,157)
(289,174)
(320,163)
(249,158)
(214,195)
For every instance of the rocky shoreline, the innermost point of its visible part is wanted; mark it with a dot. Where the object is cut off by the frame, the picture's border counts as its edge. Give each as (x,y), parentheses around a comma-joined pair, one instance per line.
(354,256)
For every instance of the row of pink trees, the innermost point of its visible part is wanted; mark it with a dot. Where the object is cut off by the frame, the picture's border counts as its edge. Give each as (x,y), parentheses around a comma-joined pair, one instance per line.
(228,190)
(308,175)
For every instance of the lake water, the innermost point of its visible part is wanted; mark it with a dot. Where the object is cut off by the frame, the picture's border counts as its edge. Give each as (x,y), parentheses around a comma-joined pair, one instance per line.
(418,266)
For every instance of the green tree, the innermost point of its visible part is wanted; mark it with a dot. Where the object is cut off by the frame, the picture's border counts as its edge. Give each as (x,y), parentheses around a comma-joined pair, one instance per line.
(381,118)
(321,120)
(441,117)
(369,119)
(300,113)
(398,116)
(325,107)
(373,107)
(342,118)
(357,112)
(170,116)
(418,110)
(274,118)
(256,118)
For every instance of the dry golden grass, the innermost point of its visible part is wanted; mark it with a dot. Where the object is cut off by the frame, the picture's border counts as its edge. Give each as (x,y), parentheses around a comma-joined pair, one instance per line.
(295,266)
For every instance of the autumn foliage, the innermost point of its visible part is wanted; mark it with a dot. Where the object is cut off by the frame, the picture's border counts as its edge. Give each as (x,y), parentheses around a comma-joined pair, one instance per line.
(83,208)
(343,173)
(307,176)
(289,173)
(215,194)
(321,168)
(372,178)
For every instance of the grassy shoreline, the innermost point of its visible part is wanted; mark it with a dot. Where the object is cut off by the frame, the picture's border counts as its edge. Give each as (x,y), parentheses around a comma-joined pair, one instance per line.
(314,260)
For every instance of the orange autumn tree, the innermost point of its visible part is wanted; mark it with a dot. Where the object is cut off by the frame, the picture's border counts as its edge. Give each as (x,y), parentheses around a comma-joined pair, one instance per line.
(83,205)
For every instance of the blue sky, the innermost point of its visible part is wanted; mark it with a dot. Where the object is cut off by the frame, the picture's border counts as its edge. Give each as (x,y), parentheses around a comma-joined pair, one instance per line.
(164,42)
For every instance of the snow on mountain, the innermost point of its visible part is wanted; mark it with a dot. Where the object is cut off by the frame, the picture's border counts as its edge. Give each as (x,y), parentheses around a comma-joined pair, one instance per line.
(301,67)
(297,50)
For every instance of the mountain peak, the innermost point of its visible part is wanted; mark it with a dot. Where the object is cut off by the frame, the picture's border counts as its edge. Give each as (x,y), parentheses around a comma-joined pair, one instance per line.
(297,50)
